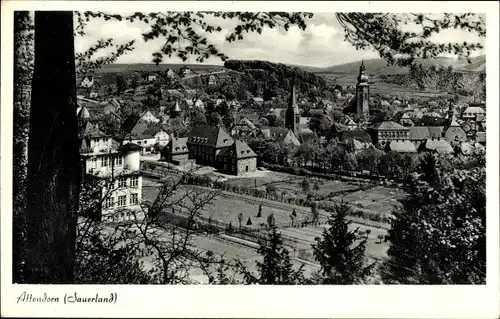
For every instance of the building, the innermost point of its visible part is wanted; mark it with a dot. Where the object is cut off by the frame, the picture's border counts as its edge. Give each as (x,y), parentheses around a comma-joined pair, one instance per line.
(237,159)
(212,80)
(244,127)
(205,142)
(389,131)
(113,171)
(420,134)
(440,146)
(360,103)
(292,114)
(155,135)
(401,147)
(453,131)
(472,111)
(87,82)
(279,135)
(185,71)
(176,151)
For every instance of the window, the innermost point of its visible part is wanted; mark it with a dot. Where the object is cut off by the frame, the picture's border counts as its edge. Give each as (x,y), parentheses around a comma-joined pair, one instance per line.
(94,163)
(109,202)
(138,142)
(105,161)
(246,168)
(118,161)
(134,181)
(122,182)
(145,142)
(122,200)
(134,199)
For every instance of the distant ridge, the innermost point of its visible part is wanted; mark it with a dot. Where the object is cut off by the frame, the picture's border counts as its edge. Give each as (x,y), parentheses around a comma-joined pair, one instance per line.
(380,66)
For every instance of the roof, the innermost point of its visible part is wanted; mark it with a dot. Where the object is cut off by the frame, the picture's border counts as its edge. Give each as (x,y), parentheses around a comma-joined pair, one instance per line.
(177,145)
(258,99)
(439,145)
(82,112)
(130,147)
(402,146)
(280,134)
(152,130)
(238,149)
(481,137)
(247,122)
(214,136)
(419,133)
(474,110)
(388,126)
(360,135)
(92,130)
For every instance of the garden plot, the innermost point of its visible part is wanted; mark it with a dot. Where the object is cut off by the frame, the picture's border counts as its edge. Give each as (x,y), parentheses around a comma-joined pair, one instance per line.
(377,199)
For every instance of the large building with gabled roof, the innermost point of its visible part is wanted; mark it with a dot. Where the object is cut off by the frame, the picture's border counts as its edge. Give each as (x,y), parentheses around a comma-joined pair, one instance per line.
(237,159)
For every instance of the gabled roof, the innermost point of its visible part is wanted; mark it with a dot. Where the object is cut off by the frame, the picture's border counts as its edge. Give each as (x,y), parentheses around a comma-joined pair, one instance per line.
(247,122)
(280,134)
(388,126)
(130,147)
(474,110)
(439,145)
(214,136)
(419,133)
(151,131)
(177,145)
(239,150)
(360,135)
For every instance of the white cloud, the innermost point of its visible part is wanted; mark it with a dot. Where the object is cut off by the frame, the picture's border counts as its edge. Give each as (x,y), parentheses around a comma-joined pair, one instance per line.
(321,44)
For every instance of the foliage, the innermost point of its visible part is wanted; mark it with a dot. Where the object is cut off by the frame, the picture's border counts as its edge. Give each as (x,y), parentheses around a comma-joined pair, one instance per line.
(385,33)
(276,267)
(439,237)
(341,252)
(249,222)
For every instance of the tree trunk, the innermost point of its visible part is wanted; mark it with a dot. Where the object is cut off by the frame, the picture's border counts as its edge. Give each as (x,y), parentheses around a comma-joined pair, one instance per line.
(53,156)
(23,46)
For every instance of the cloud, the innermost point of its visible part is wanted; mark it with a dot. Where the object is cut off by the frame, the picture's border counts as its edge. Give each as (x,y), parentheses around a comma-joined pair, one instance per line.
(321,44)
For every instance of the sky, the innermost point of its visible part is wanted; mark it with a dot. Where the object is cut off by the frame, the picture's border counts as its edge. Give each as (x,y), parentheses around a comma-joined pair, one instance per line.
(321,44)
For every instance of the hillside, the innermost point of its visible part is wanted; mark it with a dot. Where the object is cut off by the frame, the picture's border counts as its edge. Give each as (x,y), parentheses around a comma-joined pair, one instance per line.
(380,66)
(124,67)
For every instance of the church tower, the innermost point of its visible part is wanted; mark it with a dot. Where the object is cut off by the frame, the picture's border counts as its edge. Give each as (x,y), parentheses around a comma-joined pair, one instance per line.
(362,92)
(292,116)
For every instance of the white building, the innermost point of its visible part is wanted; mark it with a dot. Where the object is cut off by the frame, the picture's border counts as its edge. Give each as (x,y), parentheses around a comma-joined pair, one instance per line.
(114,171)
(87,82)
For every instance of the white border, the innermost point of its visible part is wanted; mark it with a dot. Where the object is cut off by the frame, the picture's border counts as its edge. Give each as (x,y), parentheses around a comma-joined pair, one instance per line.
(233,301)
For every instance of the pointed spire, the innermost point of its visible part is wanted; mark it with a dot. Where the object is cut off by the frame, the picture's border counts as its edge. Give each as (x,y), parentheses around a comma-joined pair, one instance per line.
(177,108)
(292,102)
(362,77)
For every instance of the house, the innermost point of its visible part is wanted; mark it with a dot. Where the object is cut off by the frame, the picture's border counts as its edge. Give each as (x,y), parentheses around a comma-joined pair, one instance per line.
(155,135)
(237,159)
(87,82)
(185,71)
(401,147)
(471,112)
(388,131)
(113,171)
(206,141)
(212,80)
(403,118)
(176,151)
(244,127)
(151,78)
(420,134)
(170,74)
(453,132)
(349,123)
(194,103)
(358,139)
(325,105)
(258,100)
(280,135)
(440,146)
(93,94)
(172,95)
(134,126)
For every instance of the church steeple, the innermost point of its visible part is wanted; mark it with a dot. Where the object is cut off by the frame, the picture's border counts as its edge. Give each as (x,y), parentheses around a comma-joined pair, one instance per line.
(362,92)
(292,119)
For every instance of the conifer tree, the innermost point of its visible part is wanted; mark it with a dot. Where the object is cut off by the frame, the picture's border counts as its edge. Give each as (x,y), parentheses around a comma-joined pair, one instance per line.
(341,252)
(276,267)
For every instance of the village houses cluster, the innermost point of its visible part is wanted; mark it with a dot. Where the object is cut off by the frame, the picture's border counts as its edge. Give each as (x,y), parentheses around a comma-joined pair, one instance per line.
(117,157)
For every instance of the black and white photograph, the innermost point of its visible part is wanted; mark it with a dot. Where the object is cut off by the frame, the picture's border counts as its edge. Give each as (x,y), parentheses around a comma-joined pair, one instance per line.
(248,147)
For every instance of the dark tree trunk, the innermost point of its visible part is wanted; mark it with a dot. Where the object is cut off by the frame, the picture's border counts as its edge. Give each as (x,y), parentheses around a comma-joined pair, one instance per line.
(53,157)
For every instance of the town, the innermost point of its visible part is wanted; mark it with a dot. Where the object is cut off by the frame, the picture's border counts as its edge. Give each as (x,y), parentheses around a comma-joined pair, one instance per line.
(271,152)
(254,148)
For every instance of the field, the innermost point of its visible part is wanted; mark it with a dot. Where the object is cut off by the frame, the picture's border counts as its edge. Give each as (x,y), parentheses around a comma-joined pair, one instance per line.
(380,87)
(306,235)
(377,199)
(290,183)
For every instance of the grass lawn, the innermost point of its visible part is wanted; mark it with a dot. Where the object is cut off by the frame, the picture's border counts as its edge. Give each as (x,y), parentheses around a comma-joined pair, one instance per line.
(378,199)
